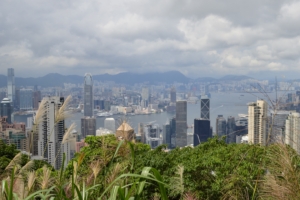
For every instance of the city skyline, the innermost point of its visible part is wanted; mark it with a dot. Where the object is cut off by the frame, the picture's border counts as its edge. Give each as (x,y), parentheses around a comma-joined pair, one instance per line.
(197,38)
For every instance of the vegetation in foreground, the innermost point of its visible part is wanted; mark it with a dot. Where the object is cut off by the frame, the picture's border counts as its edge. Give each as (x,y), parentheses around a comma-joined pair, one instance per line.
(112,169)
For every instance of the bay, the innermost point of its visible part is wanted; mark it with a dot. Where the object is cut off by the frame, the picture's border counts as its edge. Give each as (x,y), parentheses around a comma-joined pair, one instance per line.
(226,104)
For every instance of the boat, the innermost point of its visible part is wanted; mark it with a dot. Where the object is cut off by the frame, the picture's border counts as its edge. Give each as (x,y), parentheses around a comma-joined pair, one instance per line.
(104,114)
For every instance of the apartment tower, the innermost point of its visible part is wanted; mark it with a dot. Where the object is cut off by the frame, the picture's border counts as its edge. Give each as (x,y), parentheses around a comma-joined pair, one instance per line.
(257,122)
(292,131)
(51,132)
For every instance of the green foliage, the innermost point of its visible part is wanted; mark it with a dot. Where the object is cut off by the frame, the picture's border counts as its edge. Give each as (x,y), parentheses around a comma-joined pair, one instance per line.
(110,169)
(9,151)
(207,167)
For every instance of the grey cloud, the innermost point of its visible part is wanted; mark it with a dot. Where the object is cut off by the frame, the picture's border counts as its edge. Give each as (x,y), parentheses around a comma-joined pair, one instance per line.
(198,38)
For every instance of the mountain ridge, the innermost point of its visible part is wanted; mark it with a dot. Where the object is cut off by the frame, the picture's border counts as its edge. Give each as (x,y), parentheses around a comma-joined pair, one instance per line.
(170,77)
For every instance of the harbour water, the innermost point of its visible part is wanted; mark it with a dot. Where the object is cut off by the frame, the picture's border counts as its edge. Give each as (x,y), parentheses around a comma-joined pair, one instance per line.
(226,104)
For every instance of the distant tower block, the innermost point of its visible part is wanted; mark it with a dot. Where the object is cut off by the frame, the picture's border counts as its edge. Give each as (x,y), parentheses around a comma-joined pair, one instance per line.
(88,126)
(202,131)
(181,124)
(88,96)
(11,85)
(220,126)
(6,109)
(205,108)
(173,95)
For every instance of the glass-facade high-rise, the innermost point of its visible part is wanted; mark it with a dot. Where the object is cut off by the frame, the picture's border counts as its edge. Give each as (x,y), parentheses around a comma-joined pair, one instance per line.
(6,109)
(167,135)
(205,105)
(88,96)
(231,130)
(202,131)
(11,84)
(181,124)
(220,126)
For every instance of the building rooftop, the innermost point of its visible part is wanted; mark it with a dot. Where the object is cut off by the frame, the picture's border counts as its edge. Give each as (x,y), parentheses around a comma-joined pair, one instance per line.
(6,100)
(124,127)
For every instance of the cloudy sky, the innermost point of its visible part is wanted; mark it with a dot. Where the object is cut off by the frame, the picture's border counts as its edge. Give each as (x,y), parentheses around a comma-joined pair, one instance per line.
(196,37)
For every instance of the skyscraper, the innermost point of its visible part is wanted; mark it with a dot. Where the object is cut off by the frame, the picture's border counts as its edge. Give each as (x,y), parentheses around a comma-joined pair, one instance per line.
(202,131)
(37,97)
(141,132)
(88,96)
(26,99)
(181,124)
(167,135)
(88,126)
(146,96)
(6,109)
(11,85)
(205,106)
(173,131)
(277,124)
(173,95)
(220,126)
(292,131)
(231,130)
(51,132)
(152,135)
(257,122)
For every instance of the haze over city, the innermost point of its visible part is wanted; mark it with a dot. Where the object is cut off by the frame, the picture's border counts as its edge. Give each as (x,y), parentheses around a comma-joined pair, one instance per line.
(198,38)
(140,99)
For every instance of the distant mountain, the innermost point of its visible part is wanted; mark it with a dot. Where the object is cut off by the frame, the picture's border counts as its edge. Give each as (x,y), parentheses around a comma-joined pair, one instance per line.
(234,78)
(55,79)
(154,77)
(50,80)
(205,79)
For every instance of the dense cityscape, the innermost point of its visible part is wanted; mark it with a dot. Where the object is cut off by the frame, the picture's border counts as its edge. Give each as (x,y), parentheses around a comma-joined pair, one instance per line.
(160,100)
(268,120)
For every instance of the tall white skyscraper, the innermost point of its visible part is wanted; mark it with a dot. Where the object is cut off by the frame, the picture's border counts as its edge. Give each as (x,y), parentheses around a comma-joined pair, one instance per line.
(88,98)
(11,85)
(257,122)
(292,131)
(50,133)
